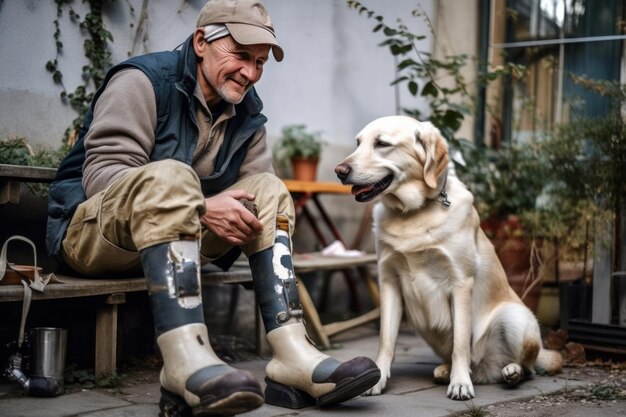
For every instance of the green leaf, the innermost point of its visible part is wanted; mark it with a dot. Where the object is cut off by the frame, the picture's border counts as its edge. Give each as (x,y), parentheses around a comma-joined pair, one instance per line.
(406,63)
(389,31)
(430,89)
(453,119)
(413,87)
(399,80)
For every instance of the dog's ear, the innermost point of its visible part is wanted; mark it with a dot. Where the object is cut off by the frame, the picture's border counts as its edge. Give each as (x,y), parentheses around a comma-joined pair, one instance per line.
(436,153)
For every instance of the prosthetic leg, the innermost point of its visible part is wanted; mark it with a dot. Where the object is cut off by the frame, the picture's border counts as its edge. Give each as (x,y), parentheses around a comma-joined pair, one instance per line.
(299,375)
(194,381)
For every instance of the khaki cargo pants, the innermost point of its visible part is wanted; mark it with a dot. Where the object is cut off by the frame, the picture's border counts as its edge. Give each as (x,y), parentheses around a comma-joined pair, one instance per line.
(157,203)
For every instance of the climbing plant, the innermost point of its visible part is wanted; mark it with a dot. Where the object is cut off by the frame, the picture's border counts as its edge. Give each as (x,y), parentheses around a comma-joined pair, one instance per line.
(439,80)
(96,51)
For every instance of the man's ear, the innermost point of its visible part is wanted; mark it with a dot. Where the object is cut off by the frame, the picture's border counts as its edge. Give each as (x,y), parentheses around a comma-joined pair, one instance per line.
(199,43)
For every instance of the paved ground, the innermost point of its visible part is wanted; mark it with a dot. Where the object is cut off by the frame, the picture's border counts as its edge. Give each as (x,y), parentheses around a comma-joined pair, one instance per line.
(410,392)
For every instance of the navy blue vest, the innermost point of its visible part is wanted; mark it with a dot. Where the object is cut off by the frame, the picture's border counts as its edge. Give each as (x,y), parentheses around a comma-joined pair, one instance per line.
(173,77)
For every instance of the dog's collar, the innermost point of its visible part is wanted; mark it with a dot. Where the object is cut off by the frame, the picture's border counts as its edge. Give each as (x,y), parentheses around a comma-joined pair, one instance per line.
(442,198)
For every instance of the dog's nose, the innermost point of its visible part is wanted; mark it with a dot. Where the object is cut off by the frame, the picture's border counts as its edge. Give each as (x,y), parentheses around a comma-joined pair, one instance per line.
(342,170)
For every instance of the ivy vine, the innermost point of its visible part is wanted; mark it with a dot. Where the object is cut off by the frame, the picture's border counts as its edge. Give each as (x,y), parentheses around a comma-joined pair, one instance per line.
(96,51)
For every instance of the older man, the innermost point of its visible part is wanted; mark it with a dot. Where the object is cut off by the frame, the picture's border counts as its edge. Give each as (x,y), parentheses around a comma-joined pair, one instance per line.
(172,170)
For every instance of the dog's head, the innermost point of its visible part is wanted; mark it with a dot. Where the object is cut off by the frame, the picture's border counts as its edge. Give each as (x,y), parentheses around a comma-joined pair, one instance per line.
(398,159)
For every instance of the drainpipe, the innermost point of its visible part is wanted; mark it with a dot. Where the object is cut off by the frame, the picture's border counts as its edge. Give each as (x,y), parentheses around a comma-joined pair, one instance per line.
(483,51)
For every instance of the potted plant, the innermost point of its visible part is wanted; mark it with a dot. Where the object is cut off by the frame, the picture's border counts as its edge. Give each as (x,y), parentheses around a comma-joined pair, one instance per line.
(301,149)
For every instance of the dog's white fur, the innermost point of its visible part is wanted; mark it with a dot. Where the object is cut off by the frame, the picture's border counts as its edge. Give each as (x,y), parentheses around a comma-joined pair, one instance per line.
(438,263)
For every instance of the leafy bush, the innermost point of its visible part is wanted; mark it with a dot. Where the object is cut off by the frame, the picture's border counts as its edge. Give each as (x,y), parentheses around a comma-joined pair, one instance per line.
(16,151)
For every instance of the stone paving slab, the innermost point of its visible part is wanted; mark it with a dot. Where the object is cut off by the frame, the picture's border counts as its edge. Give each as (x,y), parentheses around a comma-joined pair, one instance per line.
(410,391)
(79,403)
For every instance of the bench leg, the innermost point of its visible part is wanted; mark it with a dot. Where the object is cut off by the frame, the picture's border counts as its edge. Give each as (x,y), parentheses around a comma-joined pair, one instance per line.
(312,318)
(106,336)
(262,347)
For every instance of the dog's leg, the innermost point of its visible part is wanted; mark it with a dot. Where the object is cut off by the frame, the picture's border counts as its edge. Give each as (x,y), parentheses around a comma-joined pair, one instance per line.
(442,374)
(510,347)
(390,317)
(461,387)
(513,374)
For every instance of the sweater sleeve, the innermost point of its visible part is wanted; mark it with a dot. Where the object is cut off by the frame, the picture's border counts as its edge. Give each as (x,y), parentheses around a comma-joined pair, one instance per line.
(259,156)
(121,135)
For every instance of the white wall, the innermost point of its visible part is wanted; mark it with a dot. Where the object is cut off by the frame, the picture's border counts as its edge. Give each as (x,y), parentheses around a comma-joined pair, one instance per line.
(334,78)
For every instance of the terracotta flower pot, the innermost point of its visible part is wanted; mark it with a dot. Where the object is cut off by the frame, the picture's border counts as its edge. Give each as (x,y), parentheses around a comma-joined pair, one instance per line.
(304,169)
(515,253)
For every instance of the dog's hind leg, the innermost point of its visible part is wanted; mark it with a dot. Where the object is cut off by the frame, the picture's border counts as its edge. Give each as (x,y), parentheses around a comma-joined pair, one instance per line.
(442,374)
(507,350)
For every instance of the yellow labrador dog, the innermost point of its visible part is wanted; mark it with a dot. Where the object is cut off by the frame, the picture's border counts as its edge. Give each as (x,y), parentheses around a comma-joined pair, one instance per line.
(436,262)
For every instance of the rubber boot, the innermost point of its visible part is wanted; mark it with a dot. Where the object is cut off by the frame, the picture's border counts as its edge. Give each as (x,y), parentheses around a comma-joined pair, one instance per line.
(194,380)
(299,375)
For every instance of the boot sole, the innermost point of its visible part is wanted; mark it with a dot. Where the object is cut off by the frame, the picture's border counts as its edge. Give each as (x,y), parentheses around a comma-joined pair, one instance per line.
(350,388)
(284,396)
(173,405)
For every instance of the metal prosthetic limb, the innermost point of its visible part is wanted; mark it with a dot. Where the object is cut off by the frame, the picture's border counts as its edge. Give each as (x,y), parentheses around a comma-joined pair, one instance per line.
(299,375)
(193,379)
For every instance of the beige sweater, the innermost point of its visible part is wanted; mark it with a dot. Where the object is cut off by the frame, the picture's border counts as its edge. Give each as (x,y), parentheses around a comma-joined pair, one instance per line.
(121,135)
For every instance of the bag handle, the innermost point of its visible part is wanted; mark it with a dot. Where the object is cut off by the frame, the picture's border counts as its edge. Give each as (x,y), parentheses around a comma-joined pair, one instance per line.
(38,283)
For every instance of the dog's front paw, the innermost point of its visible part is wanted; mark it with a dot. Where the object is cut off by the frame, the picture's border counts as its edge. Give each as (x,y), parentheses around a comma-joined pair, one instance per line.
(385,373)
(513,374)
(462,391)
(378,388)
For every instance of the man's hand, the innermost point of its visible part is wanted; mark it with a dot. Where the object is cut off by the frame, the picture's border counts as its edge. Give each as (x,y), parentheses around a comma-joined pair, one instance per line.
(229,220)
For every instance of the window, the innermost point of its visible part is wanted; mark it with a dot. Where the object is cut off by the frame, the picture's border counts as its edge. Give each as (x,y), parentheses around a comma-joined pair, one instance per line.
(553,39)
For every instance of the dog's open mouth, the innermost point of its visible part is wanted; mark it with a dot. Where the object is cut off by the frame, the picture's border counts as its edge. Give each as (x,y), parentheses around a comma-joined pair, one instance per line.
(366,192)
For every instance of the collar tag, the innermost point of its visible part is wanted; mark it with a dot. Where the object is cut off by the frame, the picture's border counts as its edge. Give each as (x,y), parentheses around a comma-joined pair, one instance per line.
(442,198)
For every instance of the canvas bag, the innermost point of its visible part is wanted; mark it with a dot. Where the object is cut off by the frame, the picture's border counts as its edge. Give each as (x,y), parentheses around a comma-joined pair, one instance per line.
(30,277)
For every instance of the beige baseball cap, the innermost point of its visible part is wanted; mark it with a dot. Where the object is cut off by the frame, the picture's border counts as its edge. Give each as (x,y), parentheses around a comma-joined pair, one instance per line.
(247,21)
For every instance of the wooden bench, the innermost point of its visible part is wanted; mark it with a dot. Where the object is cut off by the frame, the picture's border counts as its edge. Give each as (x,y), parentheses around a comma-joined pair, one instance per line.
(106,313)
(12,177)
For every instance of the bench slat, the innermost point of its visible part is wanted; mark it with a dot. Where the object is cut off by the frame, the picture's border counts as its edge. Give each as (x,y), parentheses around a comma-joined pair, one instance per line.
(27,173)
(82,287)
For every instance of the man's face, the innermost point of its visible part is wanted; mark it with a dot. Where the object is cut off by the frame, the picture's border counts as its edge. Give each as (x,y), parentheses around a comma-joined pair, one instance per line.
(228,70)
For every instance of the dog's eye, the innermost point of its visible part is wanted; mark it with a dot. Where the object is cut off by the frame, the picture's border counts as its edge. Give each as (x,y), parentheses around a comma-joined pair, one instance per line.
(381,144)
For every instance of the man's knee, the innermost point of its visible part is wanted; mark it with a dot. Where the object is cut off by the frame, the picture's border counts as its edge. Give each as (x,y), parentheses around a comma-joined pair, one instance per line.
(269,189)
(163,201)
(169,173)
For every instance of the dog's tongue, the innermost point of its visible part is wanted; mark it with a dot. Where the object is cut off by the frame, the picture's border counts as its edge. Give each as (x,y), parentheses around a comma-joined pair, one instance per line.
(360,189)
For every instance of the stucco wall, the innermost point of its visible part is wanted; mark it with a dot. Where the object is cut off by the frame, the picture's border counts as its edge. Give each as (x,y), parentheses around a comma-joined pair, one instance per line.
(334,78)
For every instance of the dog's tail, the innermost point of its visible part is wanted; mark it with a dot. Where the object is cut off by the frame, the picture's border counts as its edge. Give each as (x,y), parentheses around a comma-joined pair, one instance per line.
(549,362)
